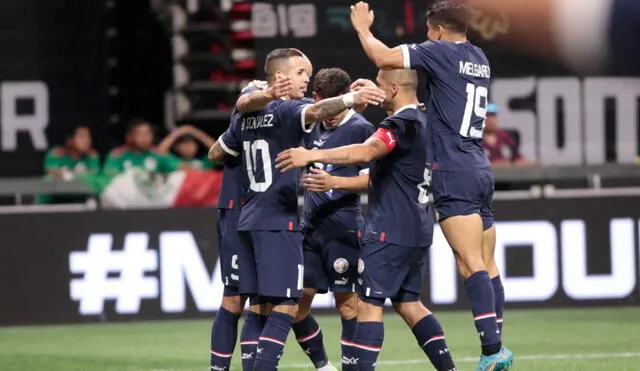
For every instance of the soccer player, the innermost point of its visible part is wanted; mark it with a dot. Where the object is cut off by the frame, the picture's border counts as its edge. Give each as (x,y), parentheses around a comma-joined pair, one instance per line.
(332,219)
(224,331)
(458,77)
(268,220)
(400,226)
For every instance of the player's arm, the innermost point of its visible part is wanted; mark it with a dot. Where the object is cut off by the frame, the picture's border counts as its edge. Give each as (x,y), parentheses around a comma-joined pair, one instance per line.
(321,181)
(256,99)
(377,146)
(380,54)
(327,108)
(227,144)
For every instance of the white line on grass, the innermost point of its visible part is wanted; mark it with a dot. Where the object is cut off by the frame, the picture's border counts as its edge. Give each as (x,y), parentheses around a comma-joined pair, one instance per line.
(517,358)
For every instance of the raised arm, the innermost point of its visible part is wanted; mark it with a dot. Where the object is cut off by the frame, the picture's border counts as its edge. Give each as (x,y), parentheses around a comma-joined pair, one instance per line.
(380,54)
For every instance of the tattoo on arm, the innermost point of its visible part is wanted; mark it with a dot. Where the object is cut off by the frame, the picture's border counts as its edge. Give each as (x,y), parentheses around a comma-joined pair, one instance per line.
(324,109)
(216,152)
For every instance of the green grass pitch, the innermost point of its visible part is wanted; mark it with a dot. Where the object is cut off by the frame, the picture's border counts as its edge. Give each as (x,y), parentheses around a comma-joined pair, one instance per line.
(561,340)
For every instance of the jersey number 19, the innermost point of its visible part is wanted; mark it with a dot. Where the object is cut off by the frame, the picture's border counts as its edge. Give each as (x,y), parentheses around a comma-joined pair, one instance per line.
(251,154)
(476,102)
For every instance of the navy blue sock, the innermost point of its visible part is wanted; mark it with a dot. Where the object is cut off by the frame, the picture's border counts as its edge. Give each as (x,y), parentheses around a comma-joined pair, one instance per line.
(272,340)
(346,343)
(430,337)
(253,326)
(367,342)
(482,298)
(498,290)
(224,334)
(309,336)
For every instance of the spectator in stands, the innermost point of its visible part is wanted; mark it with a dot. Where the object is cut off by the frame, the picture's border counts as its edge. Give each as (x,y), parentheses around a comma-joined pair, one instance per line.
(76,156)
(500,145)
(184,143)
(138,152)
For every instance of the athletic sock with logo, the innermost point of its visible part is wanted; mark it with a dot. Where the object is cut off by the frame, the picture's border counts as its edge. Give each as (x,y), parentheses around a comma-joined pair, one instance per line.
(480,291)
(309,336)
(430,337)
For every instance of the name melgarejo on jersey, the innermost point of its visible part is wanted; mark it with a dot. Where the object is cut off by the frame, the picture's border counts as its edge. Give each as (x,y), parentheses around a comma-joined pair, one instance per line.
(475,70)
(257,122)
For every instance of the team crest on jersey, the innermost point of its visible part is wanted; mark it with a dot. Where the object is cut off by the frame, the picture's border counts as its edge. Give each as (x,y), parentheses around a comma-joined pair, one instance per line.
(360,265)
(80,168)
(341,265)
(150,163)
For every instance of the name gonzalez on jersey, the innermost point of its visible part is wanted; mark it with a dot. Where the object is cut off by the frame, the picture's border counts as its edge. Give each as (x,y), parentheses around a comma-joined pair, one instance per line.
(475,70)
(257,122)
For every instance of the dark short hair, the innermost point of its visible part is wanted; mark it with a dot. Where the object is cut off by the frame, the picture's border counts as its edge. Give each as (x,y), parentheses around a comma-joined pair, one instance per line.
(72,130)
(133,124)
(450,14)
(331,82)
(277,56)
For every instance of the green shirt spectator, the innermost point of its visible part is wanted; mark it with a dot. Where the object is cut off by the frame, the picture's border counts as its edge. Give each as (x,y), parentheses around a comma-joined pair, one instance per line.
(64,164)
(184,143)
(124,157)
(138,152)
(76,156)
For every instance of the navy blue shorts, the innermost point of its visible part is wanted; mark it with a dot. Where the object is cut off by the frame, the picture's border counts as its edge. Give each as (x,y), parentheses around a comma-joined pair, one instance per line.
(391,271)
(330,260)
(276,265)
(230,245)
(464,193)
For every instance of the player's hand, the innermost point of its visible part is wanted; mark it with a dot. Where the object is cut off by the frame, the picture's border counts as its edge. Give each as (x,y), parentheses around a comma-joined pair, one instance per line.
(361,16)
(361,83)
(369,95)
(259,84)
(280,88)
(318,181)
(293,158)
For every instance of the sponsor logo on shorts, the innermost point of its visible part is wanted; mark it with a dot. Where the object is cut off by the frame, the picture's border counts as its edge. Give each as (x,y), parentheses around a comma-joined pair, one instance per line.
(343,281)
(360,265)
(341,265)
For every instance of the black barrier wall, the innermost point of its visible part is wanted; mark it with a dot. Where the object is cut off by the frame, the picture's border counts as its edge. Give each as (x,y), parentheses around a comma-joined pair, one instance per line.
(129,265)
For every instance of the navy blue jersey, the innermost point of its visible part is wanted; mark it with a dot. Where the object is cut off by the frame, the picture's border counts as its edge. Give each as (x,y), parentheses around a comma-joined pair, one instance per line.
(272,196)
(234,179)
(335,207)
(398,199)
(458,76)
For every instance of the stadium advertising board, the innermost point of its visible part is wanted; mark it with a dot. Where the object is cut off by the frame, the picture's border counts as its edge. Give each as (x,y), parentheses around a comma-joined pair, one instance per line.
(53,74)
(557,115)
(154,264)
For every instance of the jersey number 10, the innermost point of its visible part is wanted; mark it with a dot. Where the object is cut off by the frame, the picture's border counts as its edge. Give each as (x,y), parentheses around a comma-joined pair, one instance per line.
(476,102)
(251,154)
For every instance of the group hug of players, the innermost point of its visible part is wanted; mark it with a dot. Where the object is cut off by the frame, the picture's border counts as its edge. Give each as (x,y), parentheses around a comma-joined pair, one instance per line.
(278,264)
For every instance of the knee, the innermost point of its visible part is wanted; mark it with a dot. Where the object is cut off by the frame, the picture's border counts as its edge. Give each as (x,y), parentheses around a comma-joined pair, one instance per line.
(348,309)
(411,312)
(233,304)
(284,305)
(470,265)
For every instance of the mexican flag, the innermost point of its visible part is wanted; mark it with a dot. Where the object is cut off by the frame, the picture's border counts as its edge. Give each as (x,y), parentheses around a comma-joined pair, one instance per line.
(137,188)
